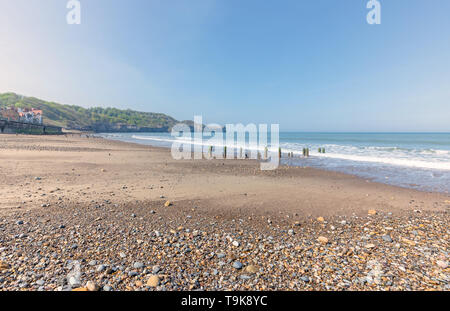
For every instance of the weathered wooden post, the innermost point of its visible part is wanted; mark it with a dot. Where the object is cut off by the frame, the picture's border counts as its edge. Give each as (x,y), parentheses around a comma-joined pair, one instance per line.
(279,152)
(266,151)
(210,149)
(225,152)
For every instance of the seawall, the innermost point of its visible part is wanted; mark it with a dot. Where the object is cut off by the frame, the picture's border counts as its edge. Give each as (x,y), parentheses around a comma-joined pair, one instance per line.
(13,127)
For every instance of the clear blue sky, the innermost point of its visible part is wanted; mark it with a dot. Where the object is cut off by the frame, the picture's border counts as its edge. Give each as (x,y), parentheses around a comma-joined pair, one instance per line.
(310,65)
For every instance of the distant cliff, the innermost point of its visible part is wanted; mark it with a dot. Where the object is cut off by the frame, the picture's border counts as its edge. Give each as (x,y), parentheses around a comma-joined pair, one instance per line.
(92,119)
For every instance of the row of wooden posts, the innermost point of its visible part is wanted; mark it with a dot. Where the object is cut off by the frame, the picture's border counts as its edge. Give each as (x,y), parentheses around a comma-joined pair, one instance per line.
(266,152)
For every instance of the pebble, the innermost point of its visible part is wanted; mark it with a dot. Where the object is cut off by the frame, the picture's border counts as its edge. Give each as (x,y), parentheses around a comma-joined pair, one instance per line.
(153,281)
(132,273)
(237,265)
(442,264)
(40,282)
(322,239)
(92,286)
(74,282)
(268,258)
(251,269)
(138,265)
(387,238)
(304,279)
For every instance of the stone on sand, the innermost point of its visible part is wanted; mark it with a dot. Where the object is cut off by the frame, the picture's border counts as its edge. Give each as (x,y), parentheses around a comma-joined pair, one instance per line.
(153,281)
(92,286)
(322,240)
(251,269)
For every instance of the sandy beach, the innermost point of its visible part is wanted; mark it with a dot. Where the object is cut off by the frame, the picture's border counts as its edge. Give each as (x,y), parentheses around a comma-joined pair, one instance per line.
(89,213)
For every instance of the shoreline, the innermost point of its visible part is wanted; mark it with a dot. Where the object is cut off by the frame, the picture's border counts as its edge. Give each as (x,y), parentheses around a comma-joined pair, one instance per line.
(287,165)
(132,218)
(415,173)
(244,171)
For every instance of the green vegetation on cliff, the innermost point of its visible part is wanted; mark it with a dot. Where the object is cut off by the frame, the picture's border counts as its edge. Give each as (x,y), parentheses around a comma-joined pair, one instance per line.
(95,119)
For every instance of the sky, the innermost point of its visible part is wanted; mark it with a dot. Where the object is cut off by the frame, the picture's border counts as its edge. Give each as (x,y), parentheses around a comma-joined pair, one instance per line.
(308,65)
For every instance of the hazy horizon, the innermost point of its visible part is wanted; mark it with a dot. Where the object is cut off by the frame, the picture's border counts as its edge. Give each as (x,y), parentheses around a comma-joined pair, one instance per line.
(311,66)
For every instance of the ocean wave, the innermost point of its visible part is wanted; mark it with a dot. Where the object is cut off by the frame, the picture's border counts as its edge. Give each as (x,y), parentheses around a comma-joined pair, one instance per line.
(417,163)
(372,154)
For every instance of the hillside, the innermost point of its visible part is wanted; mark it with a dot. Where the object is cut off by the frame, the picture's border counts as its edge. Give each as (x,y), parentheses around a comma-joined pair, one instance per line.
(91,119)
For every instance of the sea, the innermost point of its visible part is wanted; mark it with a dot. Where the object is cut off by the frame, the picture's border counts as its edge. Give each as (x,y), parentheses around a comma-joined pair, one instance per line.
(413,160)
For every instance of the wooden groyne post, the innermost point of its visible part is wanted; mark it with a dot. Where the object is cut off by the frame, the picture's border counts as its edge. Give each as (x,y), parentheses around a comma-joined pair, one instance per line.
(306,152)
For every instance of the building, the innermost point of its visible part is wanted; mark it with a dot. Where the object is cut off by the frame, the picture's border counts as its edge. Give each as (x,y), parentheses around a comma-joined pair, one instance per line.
(21,115)
(9,113)
(30,115)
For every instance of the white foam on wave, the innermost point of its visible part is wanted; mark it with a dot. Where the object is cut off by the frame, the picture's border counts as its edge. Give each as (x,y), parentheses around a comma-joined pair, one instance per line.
(435,159)
(390,161)
(193,142)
